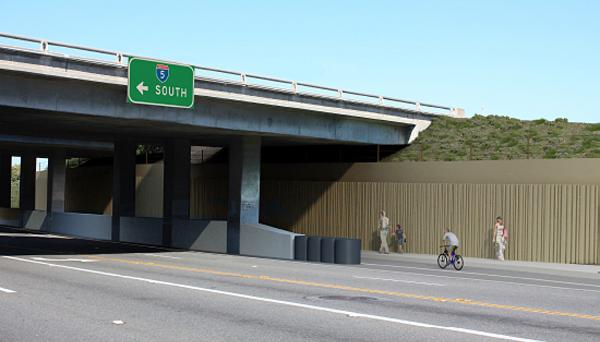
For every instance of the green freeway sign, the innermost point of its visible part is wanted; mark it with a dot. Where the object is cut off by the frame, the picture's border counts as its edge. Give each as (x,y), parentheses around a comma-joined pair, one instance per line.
(160,84)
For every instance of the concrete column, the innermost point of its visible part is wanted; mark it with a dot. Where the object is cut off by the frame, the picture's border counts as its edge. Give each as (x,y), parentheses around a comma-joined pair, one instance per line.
(176,185)
(244,188)
(5,179)
(123,185)
(27,182)
(56,182)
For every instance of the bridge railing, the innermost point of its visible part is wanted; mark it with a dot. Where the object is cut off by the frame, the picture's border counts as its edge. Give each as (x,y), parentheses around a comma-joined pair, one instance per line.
(244,79)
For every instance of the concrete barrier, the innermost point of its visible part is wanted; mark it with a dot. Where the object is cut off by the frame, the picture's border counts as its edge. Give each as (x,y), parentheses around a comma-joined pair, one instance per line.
(200,235)
(11,217)
(347,251)
(300,248)
(34,219)
(143,230)
(82,225)
(328,250)
(314,248)
(266,241)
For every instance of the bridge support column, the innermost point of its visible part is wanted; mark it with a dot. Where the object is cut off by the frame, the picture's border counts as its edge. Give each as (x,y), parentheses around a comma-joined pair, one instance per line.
(176,186)
(244,188)
(27,182)
(123,187)
(5,179)
(56,182)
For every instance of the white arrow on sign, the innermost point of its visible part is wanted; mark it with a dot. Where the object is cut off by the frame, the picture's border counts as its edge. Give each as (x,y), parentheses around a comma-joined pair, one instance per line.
(77,260)
(142,88)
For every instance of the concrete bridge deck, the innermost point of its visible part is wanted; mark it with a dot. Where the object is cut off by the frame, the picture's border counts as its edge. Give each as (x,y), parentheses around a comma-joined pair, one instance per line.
(44,81)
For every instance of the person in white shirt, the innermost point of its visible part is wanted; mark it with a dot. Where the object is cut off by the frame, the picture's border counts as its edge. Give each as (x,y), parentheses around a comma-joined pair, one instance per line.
(384,229)
(500,238)
(450,241)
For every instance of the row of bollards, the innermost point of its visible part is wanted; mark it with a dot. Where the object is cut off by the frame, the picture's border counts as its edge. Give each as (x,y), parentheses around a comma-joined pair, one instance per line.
(327,249)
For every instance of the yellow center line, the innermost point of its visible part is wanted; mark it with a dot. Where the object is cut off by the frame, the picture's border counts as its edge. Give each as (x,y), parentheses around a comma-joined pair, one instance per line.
(354,289)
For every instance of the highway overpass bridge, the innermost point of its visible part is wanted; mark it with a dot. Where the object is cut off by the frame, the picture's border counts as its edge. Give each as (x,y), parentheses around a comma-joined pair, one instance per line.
(59,105)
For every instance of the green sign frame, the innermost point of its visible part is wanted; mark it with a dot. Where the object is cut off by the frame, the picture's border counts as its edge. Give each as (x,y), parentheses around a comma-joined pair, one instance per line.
(157,83)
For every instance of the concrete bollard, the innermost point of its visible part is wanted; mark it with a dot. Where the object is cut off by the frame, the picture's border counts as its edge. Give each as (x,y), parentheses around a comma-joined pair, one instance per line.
(300,248)
(328,250)
(314,248)
(347,251)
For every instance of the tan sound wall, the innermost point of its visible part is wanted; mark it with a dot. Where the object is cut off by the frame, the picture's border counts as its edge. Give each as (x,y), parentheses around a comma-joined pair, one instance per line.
(551,207)
(551,223)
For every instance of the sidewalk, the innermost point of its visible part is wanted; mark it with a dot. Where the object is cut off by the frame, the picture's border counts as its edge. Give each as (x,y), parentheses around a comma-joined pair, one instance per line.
(509,265)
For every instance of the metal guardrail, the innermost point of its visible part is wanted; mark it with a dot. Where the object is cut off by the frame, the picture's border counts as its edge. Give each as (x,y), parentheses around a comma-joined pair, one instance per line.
(246,79)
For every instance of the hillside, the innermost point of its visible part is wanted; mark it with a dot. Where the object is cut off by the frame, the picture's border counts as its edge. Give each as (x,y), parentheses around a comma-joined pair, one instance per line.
(501,137)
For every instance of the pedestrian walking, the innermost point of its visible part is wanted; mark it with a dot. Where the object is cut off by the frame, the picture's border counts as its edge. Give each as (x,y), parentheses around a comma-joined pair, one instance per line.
(384,228)
(400,238)
(500,238)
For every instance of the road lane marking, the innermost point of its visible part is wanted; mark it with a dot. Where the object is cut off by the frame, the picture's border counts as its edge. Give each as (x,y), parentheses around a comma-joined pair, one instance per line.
(7,290)
(33,235)
(493,281)
(400,281)
(351,314)
(356,289)
(488,275)
(63,259)
(162,256)
(414,273)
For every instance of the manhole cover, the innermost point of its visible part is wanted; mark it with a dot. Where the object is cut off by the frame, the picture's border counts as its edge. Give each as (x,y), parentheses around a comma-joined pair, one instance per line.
(350,298)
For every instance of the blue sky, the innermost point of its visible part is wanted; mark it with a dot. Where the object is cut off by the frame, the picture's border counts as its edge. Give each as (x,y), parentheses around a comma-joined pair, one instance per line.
(527,59)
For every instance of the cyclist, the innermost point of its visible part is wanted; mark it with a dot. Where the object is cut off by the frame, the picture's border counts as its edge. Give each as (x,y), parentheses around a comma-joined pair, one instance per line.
(450,240)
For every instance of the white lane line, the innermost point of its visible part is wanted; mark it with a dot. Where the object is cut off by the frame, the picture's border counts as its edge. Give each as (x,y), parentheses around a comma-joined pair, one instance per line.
(162,256)
(354,268)
(400,281)
(32,235)
(7,290)
(493,281)
(282,302)
(490,275)
(63,259)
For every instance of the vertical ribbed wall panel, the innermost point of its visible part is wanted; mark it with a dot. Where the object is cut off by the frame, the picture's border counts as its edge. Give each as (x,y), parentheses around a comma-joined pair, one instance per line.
(547,222)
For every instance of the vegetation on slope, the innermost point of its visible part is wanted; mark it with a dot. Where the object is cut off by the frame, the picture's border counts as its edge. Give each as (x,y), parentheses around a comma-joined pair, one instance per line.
(501,137)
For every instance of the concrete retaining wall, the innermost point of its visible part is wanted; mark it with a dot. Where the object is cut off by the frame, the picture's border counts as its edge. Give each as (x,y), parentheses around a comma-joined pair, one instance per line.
(143,230)
(266,241)
(201,235)
(11,217)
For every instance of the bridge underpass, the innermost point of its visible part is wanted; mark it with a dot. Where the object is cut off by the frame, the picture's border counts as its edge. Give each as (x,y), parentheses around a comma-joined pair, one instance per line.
(56,106)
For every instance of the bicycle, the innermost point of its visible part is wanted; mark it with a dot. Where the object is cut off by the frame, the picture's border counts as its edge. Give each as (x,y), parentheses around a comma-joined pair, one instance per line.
(444,259)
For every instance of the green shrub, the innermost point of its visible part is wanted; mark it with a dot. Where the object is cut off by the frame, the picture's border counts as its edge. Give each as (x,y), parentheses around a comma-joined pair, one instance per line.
(593,127)
(509,140)
(593,153)
(554,133)
(589,142)
(550,154)
(501,137)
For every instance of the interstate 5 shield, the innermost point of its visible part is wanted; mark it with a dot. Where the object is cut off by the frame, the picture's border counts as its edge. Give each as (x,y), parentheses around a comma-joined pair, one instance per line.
(160,84)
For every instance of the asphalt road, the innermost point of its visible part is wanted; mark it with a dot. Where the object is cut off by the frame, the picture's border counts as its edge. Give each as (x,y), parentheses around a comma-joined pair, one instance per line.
(61,289)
